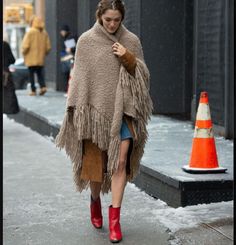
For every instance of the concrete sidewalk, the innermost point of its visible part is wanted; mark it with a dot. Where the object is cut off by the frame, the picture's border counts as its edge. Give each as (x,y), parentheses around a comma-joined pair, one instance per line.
(41,207)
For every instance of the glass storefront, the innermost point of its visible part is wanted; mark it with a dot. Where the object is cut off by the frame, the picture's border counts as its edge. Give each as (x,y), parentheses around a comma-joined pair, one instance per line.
(15,34)
(17,15)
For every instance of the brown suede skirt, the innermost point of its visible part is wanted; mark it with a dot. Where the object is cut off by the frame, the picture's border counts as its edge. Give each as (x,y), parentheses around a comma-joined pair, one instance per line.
(94,163)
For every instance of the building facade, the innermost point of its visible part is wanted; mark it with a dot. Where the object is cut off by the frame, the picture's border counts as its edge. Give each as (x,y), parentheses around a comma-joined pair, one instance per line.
(213,65)
(188,47)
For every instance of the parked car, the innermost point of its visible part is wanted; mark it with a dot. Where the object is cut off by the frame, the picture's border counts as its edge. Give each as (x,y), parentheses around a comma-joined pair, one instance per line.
(20,74)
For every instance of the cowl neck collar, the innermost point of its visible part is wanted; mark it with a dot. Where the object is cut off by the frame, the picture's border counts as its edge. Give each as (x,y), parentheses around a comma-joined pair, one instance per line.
(113,37)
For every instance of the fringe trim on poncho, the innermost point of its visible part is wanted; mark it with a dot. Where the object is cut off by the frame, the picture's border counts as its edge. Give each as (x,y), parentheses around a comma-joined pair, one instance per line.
(143,104)
(88,123)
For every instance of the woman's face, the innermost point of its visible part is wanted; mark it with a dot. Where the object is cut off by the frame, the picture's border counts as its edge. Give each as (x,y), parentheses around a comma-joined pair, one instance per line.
(111,20)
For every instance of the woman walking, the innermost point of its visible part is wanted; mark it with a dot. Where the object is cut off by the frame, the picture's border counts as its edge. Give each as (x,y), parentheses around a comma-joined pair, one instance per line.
(108,107)
(35,47)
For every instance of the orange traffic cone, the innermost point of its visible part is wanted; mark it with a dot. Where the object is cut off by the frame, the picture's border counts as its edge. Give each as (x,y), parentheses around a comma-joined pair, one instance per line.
(204,156)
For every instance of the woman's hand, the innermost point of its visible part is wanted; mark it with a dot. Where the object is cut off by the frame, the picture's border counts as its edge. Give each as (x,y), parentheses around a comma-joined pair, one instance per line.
(118,49)
(68,50)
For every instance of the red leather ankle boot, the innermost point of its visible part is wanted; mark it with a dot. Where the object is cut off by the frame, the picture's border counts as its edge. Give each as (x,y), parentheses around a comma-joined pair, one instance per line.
(96,213)
(114,225)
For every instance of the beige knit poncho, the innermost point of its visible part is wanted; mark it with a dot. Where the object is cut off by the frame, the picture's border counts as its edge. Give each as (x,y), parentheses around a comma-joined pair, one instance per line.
(102,91)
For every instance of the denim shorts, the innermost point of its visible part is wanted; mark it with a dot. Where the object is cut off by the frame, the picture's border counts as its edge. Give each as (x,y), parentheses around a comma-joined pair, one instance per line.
(124,131)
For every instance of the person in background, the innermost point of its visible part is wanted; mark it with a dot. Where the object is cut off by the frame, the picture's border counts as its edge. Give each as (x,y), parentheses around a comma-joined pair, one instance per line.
(10,102)
(35,46)
(107,111)
(68,45)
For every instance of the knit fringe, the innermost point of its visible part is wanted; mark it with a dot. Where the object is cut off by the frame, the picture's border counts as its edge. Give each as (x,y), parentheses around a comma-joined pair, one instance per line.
(67,139)
(135,160)
(139,86)
(91,124)
(106,185)
(88,123)
(113,155)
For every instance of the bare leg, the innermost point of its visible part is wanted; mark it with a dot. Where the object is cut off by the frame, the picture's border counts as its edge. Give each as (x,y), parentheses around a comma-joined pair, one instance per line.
(95,188)
(119,177)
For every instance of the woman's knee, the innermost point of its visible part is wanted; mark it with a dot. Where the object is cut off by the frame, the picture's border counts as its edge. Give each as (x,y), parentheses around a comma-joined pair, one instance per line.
(122,165)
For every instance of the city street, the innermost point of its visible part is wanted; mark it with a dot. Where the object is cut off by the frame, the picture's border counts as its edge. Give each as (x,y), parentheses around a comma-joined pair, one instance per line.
(40,205)
(166,65)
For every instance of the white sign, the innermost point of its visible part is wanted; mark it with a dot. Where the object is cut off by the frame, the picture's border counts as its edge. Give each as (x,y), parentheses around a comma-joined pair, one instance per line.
(70,43)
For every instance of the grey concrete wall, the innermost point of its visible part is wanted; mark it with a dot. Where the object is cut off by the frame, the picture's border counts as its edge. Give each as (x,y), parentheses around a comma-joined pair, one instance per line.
(166,36)
(213,60)
(133,16)
(83,10)
(210,55)
(51,27)
(230,80)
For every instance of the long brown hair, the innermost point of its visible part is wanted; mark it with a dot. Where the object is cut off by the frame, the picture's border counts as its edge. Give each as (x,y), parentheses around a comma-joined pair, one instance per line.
(104,5)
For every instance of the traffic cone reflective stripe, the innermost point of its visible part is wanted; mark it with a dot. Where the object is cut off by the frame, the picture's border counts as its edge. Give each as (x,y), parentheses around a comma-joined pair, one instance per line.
(204,124)
(204,156)
(203,133)
(203,112)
